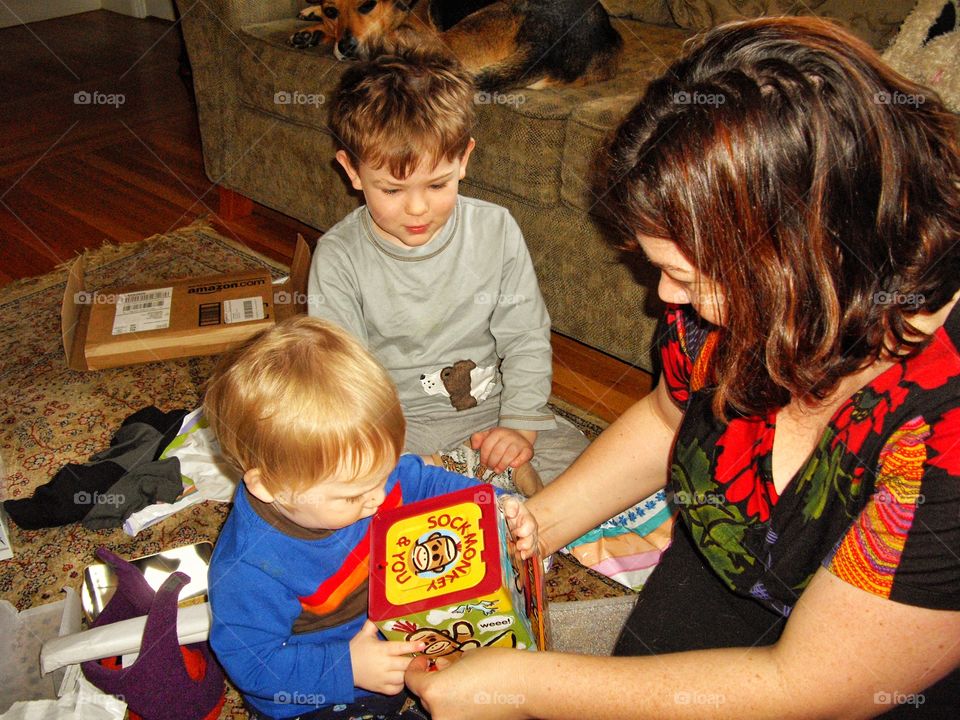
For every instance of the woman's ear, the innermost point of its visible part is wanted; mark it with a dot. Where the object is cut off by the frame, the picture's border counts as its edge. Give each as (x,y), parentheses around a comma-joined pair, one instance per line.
(254,482)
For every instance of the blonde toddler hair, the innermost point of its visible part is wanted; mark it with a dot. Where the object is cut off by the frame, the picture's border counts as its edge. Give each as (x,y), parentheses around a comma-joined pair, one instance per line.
(304,402)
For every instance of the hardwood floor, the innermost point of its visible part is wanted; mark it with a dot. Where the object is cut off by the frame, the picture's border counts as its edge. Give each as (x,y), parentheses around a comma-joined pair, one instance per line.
(127,163)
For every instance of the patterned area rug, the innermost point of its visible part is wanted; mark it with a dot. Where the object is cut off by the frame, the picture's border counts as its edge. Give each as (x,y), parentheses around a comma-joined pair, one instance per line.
(51,415)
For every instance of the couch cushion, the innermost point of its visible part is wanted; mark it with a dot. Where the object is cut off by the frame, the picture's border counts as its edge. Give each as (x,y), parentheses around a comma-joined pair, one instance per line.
(588,130)
(650,11)
(521,133)
(295,84)
(648,51)
(875,22)
(703,14)
(528,152)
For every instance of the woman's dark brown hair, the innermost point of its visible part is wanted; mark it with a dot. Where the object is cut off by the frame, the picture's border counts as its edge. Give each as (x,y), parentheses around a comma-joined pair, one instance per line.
(814,184)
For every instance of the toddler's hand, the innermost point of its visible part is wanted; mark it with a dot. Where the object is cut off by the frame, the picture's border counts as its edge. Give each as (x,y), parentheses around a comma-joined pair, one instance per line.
(378,665)
(502,447)
(522,525)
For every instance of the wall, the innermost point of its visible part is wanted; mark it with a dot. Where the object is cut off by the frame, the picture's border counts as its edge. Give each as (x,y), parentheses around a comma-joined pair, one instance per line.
(17,12)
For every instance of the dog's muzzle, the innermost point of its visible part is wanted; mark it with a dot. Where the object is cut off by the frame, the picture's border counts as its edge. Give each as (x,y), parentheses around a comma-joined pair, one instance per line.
(347,48)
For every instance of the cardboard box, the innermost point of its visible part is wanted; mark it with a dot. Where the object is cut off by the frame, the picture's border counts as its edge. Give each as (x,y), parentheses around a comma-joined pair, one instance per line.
(443,571)
(175,319)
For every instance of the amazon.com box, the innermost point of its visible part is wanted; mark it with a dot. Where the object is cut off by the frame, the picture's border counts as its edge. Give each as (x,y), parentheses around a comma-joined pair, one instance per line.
(444,571)
(175,318)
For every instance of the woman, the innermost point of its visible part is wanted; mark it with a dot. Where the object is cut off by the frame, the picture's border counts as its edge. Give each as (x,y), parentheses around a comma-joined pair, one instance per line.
(801,202)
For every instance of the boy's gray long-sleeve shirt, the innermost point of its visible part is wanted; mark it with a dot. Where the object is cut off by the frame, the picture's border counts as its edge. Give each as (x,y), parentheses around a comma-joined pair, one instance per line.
(457,322)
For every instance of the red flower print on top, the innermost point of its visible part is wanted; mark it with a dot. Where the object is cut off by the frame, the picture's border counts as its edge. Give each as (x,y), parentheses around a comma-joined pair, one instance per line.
(941,364)
(745,449)
(864,415)
(945,443)
(676,372)
(869,408)
(674,360)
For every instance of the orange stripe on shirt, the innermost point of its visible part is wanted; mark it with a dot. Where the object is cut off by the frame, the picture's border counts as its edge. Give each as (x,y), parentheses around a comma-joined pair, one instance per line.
(336,597)
(353,573)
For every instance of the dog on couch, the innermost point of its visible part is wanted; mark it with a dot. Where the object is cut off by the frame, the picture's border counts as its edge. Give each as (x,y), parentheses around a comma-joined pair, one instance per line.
(508,43)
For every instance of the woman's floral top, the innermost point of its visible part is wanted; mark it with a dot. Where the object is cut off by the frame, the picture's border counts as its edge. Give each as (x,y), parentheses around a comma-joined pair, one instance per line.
(877,502)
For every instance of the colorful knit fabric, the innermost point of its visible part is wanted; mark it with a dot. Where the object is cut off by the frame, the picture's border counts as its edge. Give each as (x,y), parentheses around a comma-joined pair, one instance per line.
(870,554)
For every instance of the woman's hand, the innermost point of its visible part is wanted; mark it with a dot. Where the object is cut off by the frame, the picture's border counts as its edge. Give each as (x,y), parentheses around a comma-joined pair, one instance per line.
(522,525)
(483,683)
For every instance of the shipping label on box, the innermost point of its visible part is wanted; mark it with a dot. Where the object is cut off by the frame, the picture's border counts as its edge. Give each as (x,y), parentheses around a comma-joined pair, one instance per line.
(443,571)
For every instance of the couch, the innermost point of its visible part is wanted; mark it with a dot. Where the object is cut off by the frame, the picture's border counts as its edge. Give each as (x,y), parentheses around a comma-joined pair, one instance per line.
(261,107)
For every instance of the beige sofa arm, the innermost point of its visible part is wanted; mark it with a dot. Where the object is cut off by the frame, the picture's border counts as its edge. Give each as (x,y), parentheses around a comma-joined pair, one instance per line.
(210,30)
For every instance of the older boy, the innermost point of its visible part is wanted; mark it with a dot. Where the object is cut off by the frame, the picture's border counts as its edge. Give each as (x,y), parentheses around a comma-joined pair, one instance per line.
(438,286)
(315,425)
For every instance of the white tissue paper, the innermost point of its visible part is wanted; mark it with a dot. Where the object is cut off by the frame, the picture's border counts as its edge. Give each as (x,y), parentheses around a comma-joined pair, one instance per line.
(120,638)
(85,703)
(25,693)
(6,548)
(201,459)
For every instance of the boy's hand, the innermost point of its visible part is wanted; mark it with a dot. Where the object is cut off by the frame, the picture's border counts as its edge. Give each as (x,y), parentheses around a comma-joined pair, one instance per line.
(378,665)
(502,447)
(522,525)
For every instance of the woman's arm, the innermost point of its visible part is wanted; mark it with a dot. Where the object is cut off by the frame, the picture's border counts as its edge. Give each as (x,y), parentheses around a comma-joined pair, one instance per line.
(845,653)
(628,462)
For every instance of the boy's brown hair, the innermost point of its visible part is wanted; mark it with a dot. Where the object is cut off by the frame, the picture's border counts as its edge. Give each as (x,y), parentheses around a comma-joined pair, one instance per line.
(396,110)
(304,402)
